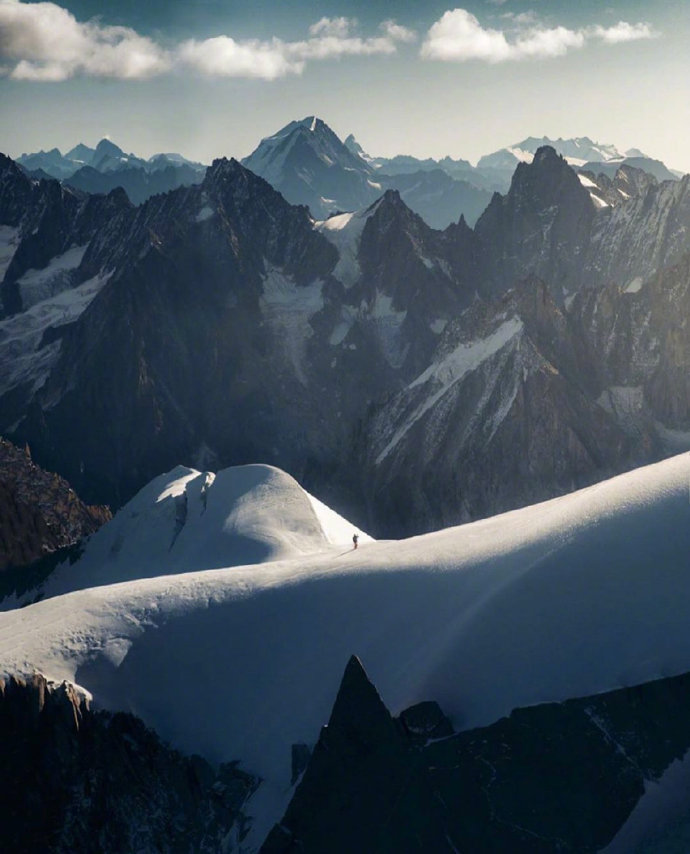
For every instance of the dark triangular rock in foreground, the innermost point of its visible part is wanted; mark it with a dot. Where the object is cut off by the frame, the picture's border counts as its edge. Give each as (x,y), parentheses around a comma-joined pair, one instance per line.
(554,777)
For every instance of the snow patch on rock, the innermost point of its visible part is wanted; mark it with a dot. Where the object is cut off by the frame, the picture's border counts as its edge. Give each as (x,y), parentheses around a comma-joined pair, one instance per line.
(442,375)
(288,308)
(21,360)
(345,231)
(38,285)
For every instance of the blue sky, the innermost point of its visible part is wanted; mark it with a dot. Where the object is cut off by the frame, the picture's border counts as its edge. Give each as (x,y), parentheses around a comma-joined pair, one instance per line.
(211,77)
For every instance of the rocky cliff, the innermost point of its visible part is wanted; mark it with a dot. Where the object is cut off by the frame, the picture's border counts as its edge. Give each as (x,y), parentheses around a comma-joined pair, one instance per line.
(76,780)
(554,777)
(39,511)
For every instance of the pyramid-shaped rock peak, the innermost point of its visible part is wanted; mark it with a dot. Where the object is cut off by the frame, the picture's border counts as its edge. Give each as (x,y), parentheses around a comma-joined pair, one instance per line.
(358,708)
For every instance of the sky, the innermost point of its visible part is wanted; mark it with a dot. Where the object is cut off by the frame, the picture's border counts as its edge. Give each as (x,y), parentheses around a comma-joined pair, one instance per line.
(210,78)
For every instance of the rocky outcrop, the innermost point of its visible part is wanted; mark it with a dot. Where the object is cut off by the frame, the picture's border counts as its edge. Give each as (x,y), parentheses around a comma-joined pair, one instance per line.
(506,413)
(541,227)
(553,777)
(49,220)
(39,511)
(625,183)
(76,780)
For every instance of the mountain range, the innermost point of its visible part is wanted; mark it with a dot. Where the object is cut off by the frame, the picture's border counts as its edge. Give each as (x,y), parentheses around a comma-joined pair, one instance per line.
(309,164)
(494,171)
(106,167)
(520,359)
(283,639)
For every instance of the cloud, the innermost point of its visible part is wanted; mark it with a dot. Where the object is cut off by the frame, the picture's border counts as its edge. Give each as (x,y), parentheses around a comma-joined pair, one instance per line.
(624,32)
(222,56)
(44,42)
(458,36)
(396,32)
(337,27)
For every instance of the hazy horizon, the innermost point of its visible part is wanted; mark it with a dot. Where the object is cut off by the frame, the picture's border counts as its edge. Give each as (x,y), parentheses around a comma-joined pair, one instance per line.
(211,78)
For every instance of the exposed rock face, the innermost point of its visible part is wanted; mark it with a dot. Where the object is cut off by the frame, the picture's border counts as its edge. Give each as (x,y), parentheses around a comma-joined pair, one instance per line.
(39,512)
(508,408)
(555,777)
(541,227)
(75,780)
(48,219)
(625,183)
(640,334)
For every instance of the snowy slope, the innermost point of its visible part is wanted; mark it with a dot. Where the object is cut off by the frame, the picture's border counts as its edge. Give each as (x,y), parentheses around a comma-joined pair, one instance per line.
(23,359)
(576,151)
(345,232)
(38,285)
(574,596)
(188,520)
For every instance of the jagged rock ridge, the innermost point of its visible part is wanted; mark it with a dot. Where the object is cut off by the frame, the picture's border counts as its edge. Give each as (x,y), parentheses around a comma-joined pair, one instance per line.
(76,780)
(553,777)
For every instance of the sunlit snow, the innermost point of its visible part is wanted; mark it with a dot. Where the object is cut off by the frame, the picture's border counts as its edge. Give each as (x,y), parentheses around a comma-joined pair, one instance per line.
(574,596)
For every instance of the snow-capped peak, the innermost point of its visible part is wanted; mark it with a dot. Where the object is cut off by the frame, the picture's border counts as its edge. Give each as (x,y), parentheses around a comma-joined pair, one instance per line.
(189,520)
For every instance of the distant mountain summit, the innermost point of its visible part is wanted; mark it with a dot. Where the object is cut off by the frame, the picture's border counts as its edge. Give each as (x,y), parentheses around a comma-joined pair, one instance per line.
(576,151)
(581,153)
(308,163)
(107,166)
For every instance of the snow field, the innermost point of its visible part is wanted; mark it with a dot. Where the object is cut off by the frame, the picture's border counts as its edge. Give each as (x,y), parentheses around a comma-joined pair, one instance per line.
(578,595)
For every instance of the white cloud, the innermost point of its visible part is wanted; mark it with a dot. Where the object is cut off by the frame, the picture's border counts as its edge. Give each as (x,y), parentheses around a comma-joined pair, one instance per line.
(43,41)
(222,56)
(521,18)
(337,27)
(396,32)
(623,32)
(548,43)
(458,36)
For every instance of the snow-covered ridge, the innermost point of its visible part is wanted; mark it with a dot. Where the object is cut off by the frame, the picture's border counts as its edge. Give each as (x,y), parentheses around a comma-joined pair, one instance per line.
(189,520)
(574,596)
